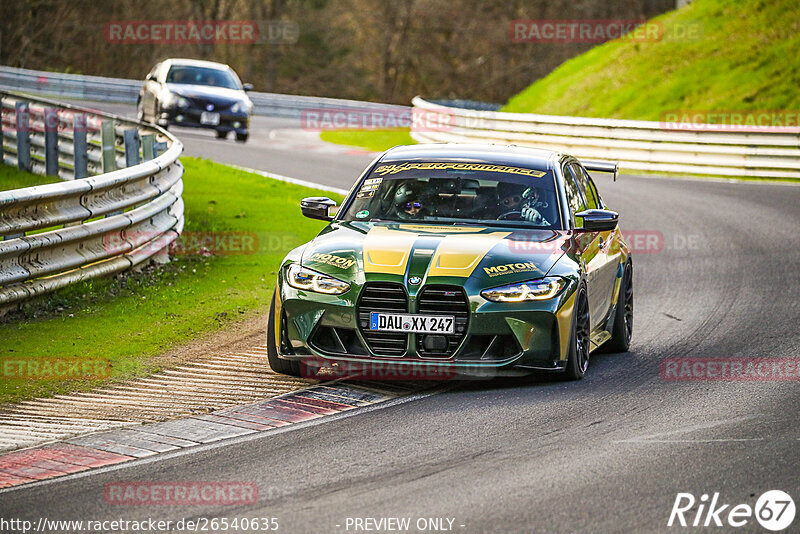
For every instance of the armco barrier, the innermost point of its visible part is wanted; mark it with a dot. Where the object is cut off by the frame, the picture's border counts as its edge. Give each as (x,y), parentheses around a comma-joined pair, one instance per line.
(57,234)
(636,145)
(101,89)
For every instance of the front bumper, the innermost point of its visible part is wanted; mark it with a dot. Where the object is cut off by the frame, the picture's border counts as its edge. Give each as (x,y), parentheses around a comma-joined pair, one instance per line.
(190,118)
(498,338)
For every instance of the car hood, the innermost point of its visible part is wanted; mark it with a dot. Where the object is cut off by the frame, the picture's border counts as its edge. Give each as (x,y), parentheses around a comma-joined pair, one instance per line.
(207,92)
(498,255)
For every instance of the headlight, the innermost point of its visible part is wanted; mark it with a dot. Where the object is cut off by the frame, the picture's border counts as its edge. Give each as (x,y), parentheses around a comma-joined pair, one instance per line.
(302,278)
(542,289)
(174,100)
(238,107)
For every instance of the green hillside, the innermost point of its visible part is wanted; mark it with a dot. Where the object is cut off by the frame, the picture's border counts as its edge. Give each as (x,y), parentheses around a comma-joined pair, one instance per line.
(740,55)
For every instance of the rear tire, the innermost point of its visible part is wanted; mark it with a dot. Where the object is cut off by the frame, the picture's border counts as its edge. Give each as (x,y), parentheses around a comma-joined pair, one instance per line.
(578,356)
(279,365)
(623,315)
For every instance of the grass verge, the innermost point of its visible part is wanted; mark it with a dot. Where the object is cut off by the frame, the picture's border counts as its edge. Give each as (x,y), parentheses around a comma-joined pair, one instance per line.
(129,320)
(12,178)
(715,55)
(373,140)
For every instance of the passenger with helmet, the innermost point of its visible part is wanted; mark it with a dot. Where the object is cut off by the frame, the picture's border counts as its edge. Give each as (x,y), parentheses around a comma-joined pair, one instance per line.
(515,201)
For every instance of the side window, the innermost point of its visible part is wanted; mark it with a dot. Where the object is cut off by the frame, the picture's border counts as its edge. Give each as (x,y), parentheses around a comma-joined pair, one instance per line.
(593,187)
(586,186)
(574,198)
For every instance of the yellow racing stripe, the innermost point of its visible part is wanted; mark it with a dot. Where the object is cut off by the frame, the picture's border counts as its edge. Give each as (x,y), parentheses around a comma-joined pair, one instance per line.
(458,255)
(564,318)
(387,251)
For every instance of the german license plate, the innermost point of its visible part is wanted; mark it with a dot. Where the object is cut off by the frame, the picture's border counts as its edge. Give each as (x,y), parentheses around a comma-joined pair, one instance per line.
(209,118)
(405,322)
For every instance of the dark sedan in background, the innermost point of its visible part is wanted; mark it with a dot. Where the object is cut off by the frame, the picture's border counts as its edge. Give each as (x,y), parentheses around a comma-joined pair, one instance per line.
(196,94)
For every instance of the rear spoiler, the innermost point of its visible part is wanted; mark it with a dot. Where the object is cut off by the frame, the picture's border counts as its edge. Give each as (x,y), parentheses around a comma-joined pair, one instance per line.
(601,166)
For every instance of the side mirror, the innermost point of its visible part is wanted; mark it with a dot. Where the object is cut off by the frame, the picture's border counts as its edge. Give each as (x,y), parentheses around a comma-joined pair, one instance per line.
(247,86)
(317,208)
(599,220)
(150,77)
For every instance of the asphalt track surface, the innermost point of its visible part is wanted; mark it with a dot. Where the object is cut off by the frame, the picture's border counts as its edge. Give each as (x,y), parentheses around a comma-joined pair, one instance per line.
(605,454)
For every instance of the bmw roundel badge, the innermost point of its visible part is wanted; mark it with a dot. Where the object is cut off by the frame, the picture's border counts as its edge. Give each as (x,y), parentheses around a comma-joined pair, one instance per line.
(414,280)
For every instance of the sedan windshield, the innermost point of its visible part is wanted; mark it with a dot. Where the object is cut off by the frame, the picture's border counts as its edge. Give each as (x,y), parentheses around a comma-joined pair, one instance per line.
(202,76)
(457,192)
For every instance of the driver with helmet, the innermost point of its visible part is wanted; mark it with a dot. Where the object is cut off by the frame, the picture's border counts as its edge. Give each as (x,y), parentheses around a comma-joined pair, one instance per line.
(407,203)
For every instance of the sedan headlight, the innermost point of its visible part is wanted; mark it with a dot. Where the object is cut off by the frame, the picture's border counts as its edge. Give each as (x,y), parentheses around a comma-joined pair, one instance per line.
(238,107)
(170,100)
(302,278)
(542,289)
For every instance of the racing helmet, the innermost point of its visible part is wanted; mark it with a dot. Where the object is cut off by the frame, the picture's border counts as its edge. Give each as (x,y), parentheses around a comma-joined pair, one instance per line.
(532,196)
(403,194)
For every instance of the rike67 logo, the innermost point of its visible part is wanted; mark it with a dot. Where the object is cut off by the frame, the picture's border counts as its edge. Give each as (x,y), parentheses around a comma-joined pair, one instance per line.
(774,510)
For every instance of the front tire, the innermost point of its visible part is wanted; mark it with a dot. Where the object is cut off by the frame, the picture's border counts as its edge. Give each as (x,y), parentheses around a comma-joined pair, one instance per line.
(623,314)
(578,357)
(279,365)
(157,115)
(241,137)
(222,134)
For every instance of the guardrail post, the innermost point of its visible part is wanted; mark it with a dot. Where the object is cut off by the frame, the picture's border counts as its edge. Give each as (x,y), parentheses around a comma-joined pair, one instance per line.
(51,141)
(81,162)
(23,136)
(109,141)
(148,150)
(158,147)
(131,137)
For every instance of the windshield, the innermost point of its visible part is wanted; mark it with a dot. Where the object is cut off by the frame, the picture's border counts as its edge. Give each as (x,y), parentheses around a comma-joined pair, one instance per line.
(457,192)
(202,76)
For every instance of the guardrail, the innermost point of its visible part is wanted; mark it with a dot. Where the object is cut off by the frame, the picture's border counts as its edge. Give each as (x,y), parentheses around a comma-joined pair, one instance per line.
(120,90)
(636,145)
(124,208)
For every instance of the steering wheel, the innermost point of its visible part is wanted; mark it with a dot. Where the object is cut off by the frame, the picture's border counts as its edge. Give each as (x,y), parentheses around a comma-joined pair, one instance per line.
(513,215)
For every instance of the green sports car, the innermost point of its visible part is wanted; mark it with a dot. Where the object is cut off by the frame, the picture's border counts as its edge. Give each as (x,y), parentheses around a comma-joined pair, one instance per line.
(450,261)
